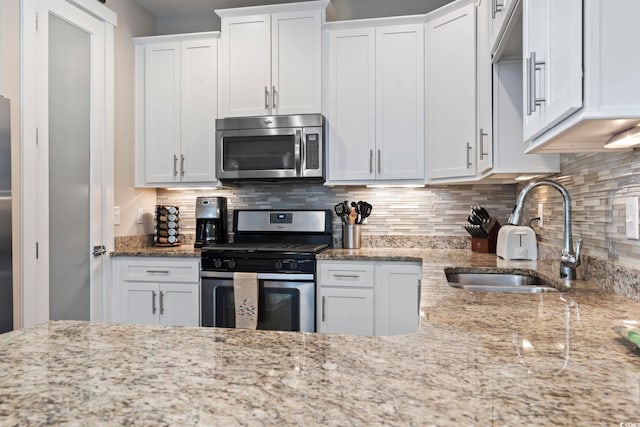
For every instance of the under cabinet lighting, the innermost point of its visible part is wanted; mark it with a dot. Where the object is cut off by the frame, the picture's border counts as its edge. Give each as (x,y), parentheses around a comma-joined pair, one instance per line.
(625,139)
(395,186)
(527,177)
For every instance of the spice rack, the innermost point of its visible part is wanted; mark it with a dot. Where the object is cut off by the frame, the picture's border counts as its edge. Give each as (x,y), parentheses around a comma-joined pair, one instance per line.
(167,226)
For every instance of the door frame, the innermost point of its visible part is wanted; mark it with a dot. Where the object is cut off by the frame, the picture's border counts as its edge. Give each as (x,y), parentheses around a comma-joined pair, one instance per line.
(34,291)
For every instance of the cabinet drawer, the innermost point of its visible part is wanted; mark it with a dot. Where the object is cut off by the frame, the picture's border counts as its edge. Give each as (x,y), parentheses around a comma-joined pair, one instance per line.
(154,270)
(347,273)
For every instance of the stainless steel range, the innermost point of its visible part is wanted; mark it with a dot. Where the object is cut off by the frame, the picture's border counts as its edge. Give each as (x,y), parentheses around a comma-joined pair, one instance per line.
(281,247)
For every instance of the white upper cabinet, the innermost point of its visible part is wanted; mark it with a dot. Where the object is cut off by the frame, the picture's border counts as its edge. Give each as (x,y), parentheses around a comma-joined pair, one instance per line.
(176,107)
(451,92)
(375,101)
(580,81)
(499,12)
(271,59)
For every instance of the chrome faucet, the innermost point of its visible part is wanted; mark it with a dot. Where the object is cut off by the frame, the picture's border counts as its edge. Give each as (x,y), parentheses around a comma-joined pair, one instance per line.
(569,260)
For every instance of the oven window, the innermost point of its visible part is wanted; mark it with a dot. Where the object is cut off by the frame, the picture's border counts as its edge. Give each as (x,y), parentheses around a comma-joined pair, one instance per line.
(278,309)
(272,152)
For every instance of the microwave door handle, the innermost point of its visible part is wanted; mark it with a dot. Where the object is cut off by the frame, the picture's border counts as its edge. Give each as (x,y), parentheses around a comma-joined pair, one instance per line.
(298,152)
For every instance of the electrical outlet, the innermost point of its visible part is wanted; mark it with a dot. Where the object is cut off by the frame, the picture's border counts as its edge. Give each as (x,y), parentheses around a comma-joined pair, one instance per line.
(631,216)
(541,215)
(140,216)
(116,215)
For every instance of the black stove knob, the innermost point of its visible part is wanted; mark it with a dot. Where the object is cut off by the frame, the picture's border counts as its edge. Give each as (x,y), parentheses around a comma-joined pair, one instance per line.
(279,265)
(231,264)
(217,263)
(293,265)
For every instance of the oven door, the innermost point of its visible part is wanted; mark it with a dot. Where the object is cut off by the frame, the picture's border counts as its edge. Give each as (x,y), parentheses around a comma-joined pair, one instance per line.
(286,302)
(259,153)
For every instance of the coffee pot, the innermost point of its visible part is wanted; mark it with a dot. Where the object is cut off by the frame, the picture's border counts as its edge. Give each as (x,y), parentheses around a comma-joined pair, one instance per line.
(211,221)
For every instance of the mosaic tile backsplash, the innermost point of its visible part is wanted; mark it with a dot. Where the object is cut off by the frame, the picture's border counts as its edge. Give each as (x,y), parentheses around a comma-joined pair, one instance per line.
(598,184)
(432,211)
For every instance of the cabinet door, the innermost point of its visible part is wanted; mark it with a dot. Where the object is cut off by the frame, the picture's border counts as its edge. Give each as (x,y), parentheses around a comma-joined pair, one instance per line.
(498,11)
(245,80)
(296,70)
(162,112)
(139,303)
(400,102)
(484,108)
(563,68)
(451,94)
(351,105)
(199,75)
(179,304)
(398,311)
(534,37)
(345,311)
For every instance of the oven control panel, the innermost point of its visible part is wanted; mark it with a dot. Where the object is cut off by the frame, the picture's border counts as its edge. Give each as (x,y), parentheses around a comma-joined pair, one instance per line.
(278,265)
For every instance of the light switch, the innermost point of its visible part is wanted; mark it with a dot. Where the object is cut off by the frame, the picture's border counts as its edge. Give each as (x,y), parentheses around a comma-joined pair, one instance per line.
(116,215)
(633,231)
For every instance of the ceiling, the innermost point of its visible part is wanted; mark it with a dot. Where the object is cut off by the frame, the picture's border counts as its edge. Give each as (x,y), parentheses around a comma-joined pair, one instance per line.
(178,7)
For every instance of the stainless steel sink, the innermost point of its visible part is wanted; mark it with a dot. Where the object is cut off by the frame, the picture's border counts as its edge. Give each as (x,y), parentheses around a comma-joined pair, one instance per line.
(494,282)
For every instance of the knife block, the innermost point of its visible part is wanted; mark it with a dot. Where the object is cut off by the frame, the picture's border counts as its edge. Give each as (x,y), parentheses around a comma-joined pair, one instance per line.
(487,244)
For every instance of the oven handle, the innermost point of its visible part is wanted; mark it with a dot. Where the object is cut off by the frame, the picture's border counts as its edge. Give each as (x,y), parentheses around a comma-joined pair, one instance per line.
(298,277)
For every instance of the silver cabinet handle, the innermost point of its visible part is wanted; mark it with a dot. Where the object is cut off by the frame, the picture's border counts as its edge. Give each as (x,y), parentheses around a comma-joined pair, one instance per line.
(161,302)
(532,100)
(153,302)
(469,155)
(175,165)
(482,135)
(266,98)
(347,276)
(370,161)
(158,271)
(379,161)
(419,283)
(273,97)
(497,7)
(323,303)
(181,164)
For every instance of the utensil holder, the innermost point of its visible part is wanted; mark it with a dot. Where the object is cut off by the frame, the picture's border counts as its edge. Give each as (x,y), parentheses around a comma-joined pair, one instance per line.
(351,236)
(487,244)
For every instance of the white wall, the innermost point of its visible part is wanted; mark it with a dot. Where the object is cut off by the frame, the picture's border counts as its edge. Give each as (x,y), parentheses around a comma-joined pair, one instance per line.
(10,88)
(133,21)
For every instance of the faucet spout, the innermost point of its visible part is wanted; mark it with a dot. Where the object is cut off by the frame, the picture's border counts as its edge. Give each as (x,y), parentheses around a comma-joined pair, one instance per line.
(569,260)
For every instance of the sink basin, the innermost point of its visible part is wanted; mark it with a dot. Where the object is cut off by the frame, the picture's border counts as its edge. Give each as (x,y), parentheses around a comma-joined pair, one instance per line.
(495,282)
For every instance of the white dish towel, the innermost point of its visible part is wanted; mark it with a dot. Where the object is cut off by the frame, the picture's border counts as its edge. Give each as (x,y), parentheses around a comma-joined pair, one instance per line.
(245,296)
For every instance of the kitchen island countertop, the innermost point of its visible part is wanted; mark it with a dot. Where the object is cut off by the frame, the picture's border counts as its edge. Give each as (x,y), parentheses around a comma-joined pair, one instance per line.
(477,359)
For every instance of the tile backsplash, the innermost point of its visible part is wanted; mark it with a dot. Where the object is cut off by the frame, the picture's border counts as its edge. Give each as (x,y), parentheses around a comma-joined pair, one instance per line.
(432,211)
(598,184)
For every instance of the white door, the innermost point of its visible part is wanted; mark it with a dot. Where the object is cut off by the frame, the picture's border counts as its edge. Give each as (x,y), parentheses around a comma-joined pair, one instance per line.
(162,112)
(400,102)
(296,40)
(451,94)
(534,50)
(351,106)
(140,303)
(346,311)
(245,66)
(69,167)
(179,304)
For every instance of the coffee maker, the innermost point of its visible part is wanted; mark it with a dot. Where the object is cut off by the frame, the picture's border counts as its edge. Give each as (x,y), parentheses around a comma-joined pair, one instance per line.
(211,221)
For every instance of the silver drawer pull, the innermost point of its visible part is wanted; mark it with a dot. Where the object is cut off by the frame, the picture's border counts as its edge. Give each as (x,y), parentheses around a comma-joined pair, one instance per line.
(158,271)
(347,276)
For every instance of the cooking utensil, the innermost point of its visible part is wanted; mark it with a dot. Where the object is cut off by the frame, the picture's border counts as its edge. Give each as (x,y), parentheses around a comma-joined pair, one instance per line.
(353,216)
(341,212)
(365,210)
(355,206)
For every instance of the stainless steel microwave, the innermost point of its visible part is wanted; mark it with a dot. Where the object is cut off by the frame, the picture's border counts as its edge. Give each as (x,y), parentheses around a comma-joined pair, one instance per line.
(270,147)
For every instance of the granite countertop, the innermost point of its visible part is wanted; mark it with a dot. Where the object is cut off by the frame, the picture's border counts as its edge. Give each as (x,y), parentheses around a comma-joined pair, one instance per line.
(478,359)
(184,251)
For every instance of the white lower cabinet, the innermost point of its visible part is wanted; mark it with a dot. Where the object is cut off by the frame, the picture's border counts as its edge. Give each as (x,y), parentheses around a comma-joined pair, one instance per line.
(368,297)
(157,291)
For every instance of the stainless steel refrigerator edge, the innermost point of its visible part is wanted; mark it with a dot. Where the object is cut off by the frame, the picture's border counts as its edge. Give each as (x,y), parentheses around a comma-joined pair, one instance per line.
(6,274)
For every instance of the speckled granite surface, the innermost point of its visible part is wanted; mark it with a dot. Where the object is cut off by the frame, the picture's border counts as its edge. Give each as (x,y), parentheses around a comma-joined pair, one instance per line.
(157,251)
(478,359)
